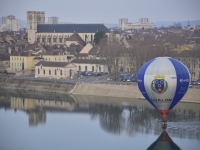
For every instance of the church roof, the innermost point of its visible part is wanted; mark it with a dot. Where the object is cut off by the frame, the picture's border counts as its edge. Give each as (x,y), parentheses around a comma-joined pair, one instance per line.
(70,28)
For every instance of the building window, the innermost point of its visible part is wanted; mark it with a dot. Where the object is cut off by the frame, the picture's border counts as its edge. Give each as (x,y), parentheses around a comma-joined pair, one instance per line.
(55,72)
(91,37)
(43,39)
(38,39)
(46,58)
(79,68)
(49,72)
(92,68)
(60,40)
(55,58)
(49,59)
(99,69)
(38,71)
(85,68)
(41,67)
(49,40)
(55,40)
(61,72)
(43,71)
(65,39)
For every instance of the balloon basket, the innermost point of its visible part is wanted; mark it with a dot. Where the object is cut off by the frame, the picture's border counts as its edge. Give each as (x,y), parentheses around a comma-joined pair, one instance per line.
(164,123)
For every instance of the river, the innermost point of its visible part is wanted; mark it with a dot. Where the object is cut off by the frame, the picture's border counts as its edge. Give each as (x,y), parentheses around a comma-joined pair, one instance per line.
(30,121)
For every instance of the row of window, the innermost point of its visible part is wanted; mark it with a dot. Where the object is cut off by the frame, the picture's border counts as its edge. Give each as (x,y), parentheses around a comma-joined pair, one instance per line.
(16,58)
(17,64)
(60,39)
(55,72)
(86,69)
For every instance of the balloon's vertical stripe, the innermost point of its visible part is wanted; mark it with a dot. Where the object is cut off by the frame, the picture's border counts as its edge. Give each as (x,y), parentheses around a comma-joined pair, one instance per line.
(141,85)
(182,81)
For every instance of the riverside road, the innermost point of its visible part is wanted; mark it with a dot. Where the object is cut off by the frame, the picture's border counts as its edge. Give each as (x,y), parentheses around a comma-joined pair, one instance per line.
(84,79)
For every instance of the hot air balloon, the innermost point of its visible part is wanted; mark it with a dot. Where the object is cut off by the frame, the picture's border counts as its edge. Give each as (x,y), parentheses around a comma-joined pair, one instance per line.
(163,81)
(163,142)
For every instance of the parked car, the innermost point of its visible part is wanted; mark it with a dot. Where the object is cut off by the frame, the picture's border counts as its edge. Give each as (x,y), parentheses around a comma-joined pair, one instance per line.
(128,78)
(90,73)
(124,79)
(134,78)
(195,82)
(121,77)
(97,73)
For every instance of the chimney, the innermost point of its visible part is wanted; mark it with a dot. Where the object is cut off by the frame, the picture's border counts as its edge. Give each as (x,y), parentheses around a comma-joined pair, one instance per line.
(29,53)
(9,50)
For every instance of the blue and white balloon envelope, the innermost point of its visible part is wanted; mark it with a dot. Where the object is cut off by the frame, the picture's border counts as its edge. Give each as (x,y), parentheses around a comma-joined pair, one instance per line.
(163,81)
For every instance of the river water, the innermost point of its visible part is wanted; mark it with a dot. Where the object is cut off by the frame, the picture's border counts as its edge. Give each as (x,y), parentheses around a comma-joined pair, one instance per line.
(41,121)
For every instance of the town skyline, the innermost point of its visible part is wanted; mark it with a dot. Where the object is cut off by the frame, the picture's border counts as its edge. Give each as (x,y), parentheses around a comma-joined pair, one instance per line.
(93,11)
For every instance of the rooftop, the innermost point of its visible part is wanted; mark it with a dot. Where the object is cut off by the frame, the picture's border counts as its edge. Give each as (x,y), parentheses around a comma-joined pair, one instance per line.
(70,28)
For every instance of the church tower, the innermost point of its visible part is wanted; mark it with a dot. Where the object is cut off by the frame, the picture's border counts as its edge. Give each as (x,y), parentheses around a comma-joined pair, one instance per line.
(33,19)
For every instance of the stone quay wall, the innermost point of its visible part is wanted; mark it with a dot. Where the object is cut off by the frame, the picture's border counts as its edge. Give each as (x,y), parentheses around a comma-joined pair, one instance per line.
(36,85)
(106,90)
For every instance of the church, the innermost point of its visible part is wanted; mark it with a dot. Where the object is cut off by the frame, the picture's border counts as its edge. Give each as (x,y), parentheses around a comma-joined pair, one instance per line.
(57,34)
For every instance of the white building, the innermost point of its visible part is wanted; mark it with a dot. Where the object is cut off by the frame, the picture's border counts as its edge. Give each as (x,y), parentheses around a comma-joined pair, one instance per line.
(142,24)
(53,20)
(122,21)
(10,23)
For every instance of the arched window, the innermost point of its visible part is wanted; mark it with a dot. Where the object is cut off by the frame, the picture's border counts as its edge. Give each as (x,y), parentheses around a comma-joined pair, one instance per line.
(85,68)
(49,72)
(55,72)
(92,68)
(43,71)
(38,71)
(61,72)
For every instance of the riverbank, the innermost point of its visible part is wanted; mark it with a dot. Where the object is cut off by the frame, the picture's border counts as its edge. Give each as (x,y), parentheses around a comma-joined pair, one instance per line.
(105,90)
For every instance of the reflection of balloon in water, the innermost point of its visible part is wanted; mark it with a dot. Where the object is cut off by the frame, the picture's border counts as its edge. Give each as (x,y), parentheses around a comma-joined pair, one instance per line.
(163,142)
(163,81)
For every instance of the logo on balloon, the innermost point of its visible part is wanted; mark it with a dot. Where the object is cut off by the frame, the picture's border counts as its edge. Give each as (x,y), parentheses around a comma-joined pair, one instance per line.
(159,84)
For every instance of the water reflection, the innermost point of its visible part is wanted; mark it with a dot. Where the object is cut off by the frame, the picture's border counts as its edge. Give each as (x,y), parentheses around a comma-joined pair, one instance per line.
(163,142)
(115,115)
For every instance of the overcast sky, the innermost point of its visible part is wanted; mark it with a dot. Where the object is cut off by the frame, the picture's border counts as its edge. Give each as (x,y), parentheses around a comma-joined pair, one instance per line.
(105,11)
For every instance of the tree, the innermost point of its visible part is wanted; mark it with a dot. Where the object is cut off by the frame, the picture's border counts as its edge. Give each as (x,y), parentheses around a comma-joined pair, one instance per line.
(99,36)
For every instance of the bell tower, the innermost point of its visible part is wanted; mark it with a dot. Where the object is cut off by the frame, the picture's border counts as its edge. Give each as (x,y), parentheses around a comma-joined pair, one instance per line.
(33,19)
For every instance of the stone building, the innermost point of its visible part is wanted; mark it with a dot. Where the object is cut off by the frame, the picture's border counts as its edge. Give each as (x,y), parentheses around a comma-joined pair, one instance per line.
(22,61)
(142,24)
(55,34)
(95,65)
(48,69)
